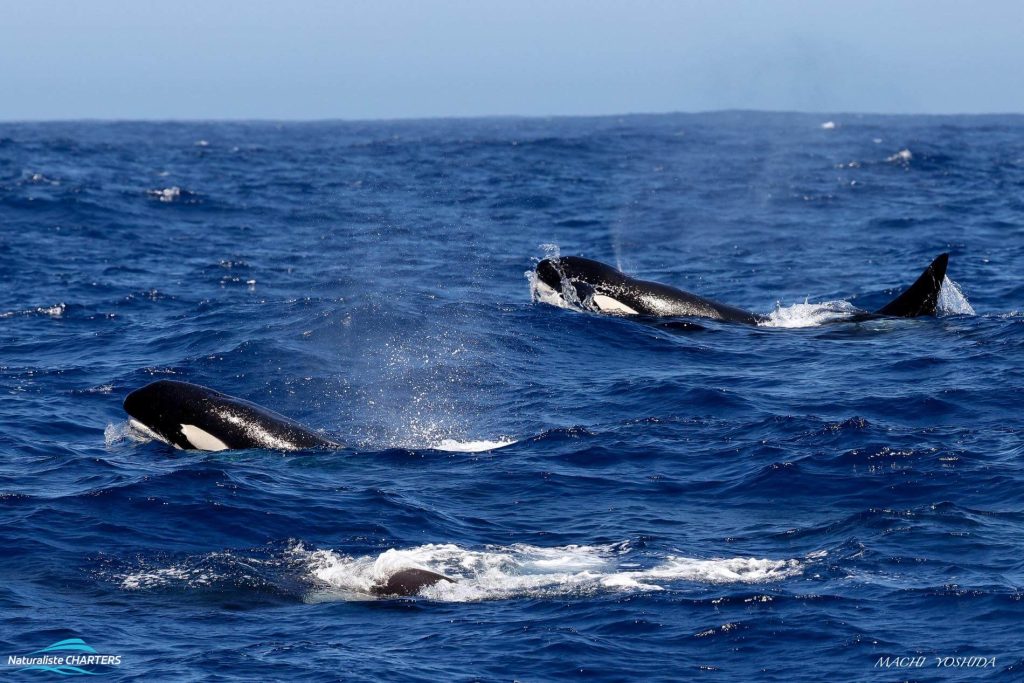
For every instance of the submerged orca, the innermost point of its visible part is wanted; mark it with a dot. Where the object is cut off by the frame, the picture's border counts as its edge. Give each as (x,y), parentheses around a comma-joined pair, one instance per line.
(190,416)
(409,582)
(599,287)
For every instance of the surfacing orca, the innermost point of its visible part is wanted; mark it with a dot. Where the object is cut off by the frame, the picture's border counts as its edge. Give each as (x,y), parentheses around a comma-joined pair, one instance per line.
(409,582)
(190,416)
(599,287)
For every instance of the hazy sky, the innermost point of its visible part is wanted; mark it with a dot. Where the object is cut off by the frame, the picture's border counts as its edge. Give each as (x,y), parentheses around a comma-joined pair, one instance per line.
(301,59)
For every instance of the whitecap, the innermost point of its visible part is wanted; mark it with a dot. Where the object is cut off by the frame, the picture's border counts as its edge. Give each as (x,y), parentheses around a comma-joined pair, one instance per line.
(903,156)
(456,446)
(55,311)
(167,194)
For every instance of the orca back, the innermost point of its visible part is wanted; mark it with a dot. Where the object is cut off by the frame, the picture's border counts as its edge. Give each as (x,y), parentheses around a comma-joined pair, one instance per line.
(409,582)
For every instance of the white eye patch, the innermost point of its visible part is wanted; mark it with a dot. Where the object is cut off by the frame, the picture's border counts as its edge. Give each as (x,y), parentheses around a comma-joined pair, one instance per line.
(202,439)
(606,304)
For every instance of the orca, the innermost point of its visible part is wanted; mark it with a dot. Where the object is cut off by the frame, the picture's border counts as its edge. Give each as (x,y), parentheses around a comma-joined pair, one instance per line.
(410,581)
(194,417)
(598,287)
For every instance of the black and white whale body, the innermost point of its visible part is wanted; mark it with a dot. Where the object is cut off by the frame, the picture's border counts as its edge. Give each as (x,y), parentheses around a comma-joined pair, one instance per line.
(599,287)
(191,416)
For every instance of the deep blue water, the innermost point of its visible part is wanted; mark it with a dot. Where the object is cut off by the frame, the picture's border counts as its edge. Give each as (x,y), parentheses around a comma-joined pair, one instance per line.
(739,503)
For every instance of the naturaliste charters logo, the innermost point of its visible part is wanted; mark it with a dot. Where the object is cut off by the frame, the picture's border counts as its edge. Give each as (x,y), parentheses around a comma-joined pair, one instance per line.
(67,658)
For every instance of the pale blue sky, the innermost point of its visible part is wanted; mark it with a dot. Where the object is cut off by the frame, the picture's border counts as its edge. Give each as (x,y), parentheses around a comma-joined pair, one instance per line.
(311,59)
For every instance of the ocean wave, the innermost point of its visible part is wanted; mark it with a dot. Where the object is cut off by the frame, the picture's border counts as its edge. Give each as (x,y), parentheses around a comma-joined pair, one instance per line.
(389,307)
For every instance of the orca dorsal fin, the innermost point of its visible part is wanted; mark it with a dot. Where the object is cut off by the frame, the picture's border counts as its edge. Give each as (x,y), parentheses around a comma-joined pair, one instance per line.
(922,297)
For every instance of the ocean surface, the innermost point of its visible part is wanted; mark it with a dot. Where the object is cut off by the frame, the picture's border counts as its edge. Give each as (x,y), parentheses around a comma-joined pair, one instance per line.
(795,501)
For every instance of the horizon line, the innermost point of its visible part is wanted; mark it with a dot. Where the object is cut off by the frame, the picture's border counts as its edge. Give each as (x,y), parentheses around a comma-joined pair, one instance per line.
(484,117)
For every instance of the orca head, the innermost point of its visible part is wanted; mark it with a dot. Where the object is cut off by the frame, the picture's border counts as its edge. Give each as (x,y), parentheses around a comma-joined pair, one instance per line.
(548,274)
(570,275)
(576,269)
(586,281)
(167,409)
(548,285)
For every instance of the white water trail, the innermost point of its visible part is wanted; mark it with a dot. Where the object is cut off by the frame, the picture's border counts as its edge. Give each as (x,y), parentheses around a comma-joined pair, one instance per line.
(809,315)
(526,571)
